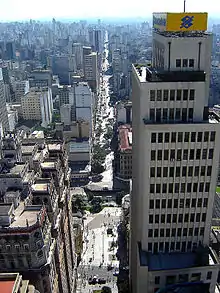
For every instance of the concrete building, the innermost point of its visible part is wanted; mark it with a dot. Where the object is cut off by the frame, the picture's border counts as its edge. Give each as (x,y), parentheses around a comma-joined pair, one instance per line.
(91,72)
(123,112)
(13,283)
(3,108)
(175,165)
(37,105)
(123,154)
(41,78)
(21,88)
(36,226)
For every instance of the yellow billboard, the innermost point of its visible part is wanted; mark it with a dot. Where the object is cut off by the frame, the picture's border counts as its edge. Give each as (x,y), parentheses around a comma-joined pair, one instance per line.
(180,22)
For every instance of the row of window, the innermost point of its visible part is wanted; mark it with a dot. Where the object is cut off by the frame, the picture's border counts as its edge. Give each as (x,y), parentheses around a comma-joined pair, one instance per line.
(179,187)
(183,278)
(172,95)
(171,114)
(178,203)
(173,218)
(180,154)
(172,246)
(182,137)
(184,63)
(179,232)
(180,172)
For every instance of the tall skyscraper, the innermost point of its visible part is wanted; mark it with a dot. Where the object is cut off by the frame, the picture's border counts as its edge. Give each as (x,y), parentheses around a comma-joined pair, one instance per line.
(175,159)
(3,109)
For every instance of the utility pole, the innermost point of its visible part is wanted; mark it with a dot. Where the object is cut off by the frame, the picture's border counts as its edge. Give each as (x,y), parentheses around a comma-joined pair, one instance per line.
(184,6)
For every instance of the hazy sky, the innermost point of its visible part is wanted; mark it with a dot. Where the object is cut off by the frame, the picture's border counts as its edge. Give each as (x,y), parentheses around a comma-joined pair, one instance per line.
(37,9)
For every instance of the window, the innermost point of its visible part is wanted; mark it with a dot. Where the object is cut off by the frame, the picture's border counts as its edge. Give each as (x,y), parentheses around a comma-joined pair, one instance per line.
(187,203)
(152,172)
(209,170)
(199,137)
(211,152)
(192,217)
(151,219)
(209,276)
(168,218)
(150,233)
(153,155)
(177,187)
(175,203)
(190,113)
(205,202)
(191,62)
(183,187)
(171,172)
(157,280)
(198,217)
(174,218)
(170,188)
(165,114)
(179,155)
(149,246)
(173,137)
(166,155)
(179,232)
(185,95)
(192,95)
(178,114)
(181,203)
(178,62)
(152,115)
(157,188)
(180,137)
(159,155)
(172,95)
(184,115)
(177,171)
(171,116)
(160,137)
(172,155)
(199,203)
(202,230)
(190,171)
(169,204)
(184,169)
(157,203)
(152,95)
(167,137)
(179,95)
(180,219)
(161,232)
(151,204)
(170,279)
(156,233)
(167,232)
(212,136)
(152,188)
(185,62)
(195,277)
(159,95)
(153,137)
(164,188)
(185,154)
(163,203)
(183,278)
(196,171)
(186,138)
(165,95)
(193,136)
(157,219)
(206,136)
(195,187)
(198,154)
(203,217)
(186,218)
(191,154)
(189,187)
(162,220)
(165,172)
(204,154)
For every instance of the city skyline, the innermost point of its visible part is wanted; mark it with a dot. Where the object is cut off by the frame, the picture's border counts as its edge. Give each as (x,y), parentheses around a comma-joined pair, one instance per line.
(13,10)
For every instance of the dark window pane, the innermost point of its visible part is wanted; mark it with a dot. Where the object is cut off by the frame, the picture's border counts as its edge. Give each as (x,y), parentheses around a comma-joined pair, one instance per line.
(185,62)
(153,137)
(167,137)
(179,95)
(191,62)
(185,95)
(178,62)
(165,95)
(172,95)
(152,95)
(160,137)
(192,95)
(199,137)
(152,115)
(212,136)
(159,95)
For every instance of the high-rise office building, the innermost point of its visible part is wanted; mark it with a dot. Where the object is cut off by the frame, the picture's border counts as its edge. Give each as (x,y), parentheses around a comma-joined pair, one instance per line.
(3,109)
(175,159)
(91,72)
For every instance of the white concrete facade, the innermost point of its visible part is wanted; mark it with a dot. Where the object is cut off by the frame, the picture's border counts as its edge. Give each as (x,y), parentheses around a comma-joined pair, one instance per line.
(175,164)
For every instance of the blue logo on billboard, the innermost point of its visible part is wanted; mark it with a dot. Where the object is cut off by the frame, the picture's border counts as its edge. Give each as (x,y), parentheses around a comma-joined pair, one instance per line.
(187,21)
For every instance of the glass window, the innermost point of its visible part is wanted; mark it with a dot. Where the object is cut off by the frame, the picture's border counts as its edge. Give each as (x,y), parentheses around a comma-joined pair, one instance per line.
(165,95)
(165,172)
(186,138)
(160,137)
(185,62)
(151,204)
(191,62)
(152,188)
(153,155)
(198,154)
(185,95)
(201,186)
(193,136)
(178,114)
(159,95)
(152,115)
(190,113)
(178,63)
(212,136)
(163,203)
(206,136)
(180,137)
(151,219)
(209,276)
(150,233)
(209,170)
(179,95)
(157,280)
(172,95)
(164,188)
(205,202)
(167,137)
(152,172)
(159,155)
(192,95)
(173,137)
(153,137)
(199,137)
(157,188)
(211,153)
(165,114)
(152,95)
(166,155)
(171,116)
(158,172)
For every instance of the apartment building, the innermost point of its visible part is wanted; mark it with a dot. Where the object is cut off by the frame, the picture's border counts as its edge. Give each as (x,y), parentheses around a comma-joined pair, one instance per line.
(175,161)
(37,105)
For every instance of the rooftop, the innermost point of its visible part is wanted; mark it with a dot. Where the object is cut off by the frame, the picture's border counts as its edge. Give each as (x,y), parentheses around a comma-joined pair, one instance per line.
(125,137)
(17,169)
(55,147)
(48,165)
(5,209)
(150,74)
(7,286)
(40,187)
(27,149)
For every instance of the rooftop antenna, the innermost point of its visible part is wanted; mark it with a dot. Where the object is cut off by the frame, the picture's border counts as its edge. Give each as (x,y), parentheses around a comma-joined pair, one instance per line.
(184,6)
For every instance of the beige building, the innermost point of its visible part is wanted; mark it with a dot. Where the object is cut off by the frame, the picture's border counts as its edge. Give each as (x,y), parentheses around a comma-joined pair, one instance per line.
(175,166)
(91,72)
(37,105)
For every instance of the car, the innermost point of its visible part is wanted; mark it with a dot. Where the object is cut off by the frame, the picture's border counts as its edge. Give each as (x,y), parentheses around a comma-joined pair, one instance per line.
(116,273)
(101,281)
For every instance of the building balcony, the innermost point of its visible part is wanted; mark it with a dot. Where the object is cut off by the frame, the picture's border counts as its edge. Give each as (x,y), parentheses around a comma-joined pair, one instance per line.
(149,74)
